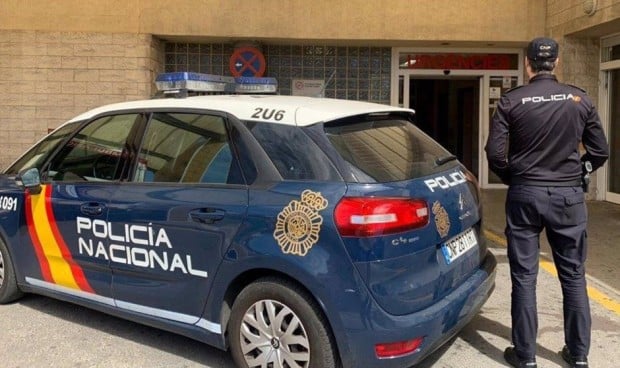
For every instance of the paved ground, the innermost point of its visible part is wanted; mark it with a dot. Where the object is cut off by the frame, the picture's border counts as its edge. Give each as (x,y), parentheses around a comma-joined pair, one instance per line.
(41,332)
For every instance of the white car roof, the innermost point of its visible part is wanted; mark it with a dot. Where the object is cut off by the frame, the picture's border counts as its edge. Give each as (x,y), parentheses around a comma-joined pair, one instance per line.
(289,110)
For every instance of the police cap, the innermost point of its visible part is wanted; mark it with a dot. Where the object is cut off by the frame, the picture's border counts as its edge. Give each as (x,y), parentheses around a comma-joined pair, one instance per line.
(542,49)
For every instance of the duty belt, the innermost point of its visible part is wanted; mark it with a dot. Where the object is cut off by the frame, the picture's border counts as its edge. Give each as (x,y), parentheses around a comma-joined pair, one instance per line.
(541,183)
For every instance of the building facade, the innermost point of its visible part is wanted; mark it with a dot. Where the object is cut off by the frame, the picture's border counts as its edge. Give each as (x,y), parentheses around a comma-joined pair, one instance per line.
(450,61)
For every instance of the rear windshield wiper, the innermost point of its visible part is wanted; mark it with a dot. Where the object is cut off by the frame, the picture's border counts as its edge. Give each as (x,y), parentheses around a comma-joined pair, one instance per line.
(442,160)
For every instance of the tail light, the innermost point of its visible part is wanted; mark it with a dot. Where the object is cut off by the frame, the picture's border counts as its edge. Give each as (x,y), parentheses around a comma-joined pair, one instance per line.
(396,349)
(371,216)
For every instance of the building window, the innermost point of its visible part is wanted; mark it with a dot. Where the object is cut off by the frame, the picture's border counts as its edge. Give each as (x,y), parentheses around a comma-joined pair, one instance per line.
(202,58)
(611,53)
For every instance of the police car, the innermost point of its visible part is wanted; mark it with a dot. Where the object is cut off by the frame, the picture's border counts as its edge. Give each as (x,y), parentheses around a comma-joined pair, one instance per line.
(293,231)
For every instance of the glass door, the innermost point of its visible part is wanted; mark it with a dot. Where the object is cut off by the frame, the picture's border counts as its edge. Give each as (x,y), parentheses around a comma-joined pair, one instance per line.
(447,109)
(608,177)
(613,170)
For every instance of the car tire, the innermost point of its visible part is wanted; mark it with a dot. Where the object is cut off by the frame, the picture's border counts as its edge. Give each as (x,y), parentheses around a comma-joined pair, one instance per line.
(8,282)
(276,321)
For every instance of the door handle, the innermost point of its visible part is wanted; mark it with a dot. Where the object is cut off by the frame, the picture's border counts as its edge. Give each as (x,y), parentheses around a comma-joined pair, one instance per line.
(92,209)
(207,215)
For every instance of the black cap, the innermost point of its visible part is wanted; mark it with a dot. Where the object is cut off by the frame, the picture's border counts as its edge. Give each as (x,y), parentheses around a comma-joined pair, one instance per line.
(542,48)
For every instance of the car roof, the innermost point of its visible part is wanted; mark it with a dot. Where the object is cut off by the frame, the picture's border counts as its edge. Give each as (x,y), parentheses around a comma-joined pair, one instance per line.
(289,110)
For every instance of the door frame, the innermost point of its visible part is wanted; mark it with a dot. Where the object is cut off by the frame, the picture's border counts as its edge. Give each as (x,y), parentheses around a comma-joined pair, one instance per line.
(606,67)
(400,79)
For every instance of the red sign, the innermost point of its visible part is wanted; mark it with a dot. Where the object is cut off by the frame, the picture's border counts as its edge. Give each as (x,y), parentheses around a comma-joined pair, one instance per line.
(459,61)
(247,62)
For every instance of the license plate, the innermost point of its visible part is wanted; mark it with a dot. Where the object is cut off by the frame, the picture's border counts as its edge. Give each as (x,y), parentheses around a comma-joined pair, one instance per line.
(459,245)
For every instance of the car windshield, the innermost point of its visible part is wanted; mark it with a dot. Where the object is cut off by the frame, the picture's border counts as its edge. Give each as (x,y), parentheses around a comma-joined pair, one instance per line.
(387,150)
(36,156)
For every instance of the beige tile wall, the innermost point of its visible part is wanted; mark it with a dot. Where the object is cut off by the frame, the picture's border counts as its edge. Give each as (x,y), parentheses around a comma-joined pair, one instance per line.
(354,22)
(592,17)
(48,77)
(579,63)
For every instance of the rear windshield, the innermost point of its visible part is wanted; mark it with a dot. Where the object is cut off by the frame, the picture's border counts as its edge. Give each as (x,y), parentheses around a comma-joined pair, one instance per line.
(387,150)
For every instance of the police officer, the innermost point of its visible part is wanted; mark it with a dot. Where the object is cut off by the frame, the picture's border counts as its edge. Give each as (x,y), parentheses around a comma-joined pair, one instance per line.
(533,146)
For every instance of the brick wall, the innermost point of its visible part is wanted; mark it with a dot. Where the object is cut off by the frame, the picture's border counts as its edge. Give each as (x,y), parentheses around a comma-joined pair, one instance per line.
(47,78)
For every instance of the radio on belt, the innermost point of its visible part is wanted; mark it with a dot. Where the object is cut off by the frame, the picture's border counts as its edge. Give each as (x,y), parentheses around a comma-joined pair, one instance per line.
(183,84)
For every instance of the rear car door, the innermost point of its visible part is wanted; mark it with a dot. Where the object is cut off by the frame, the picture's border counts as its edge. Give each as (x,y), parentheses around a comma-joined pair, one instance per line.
(176,217)
(78,182)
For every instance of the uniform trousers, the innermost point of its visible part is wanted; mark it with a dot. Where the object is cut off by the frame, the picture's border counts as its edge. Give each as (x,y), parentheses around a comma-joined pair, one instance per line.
(562,213)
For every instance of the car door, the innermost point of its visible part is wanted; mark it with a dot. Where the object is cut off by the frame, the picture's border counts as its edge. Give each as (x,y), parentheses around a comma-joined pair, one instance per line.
(66,220)
(179,213)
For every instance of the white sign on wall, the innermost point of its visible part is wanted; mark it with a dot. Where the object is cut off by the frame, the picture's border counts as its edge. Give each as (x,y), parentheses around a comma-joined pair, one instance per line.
(308,87)
(507,82)
(495,92)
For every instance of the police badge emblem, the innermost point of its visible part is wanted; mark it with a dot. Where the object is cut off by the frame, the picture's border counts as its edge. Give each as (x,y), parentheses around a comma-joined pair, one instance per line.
(299,223)
(442,221)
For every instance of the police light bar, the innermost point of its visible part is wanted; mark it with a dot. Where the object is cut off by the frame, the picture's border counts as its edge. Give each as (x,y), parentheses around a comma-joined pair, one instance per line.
(256,85)
(198,82)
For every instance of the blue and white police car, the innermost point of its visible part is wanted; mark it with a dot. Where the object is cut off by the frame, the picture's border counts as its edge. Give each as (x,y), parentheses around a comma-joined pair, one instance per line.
(293,231)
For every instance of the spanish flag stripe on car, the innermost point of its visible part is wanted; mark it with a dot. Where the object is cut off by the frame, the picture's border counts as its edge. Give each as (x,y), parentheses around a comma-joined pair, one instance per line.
(55,254)
(38,249)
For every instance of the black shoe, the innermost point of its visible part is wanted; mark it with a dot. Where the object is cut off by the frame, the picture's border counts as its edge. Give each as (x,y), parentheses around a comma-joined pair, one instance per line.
(511,357)
(575,362)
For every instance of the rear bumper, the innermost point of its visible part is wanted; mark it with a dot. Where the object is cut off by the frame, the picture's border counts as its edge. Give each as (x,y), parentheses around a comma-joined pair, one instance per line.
(437,323)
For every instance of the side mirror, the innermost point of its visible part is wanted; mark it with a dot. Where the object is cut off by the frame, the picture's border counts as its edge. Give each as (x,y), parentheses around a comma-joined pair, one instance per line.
(30,179)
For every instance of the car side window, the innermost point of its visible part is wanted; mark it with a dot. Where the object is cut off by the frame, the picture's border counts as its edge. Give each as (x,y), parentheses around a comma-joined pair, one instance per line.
(185,148)
(293,153)
(95,153)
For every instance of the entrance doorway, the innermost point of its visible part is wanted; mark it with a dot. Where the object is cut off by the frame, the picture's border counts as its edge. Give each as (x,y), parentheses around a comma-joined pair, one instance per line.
(613,171)
(454,92)
(447,109)
(609,96)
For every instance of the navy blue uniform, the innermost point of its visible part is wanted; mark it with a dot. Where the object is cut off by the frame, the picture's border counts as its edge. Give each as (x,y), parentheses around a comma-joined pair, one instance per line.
(533,146)
(543,123)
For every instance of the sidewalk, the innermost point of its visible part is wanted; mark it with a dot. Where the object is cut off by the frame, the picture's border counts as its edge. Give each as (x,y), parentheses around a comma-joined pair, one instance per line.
(603,265)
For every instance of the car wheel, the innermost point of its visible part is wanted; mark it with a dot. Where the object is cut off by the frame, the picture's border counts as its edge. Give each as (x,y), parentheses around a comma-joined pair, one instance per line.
(275,323)
(8,283)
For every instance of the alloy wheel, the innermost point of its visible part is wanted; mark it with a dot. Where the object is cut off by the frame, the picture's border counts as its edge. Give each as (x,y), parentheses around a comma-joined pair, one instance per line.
(272,335)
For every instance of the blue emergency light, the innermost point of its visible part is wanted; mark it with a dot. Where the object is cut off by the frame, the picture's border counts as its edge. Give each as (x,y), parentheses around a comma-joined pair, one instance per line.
(197,82)
(185,83)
